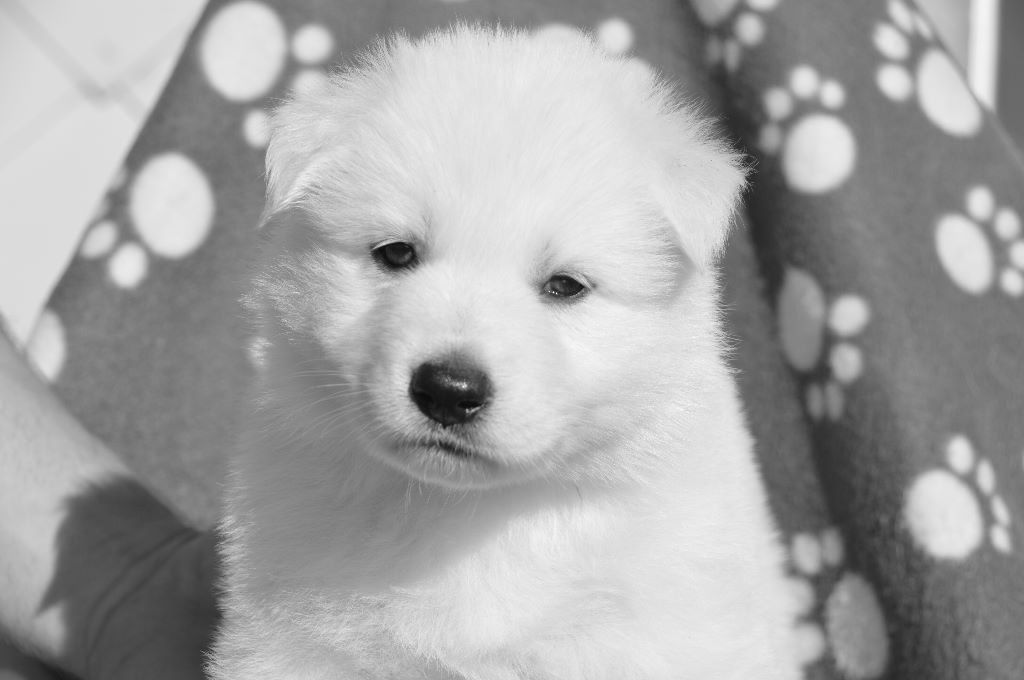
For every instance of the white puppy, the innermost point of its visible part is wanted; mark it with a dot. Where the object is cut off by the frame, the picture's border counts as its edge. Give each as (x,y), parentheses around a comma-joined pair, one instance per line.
(495,437)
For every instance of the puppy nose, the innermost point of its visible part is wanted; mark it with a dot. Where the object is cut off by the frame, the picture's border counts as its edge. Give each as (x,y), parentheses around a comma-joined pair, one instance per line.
(450,392)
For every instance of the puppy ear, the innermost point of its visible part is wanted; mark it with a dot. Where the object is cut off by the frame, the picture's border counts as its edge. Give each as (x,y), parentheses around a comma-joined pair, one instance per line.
(301,131)
(700,188)
(308,131)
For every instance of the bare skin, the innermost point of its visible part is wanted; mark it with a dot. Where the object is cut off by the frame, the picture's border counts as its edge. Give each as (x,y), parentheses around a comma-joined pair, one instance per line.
(98,578)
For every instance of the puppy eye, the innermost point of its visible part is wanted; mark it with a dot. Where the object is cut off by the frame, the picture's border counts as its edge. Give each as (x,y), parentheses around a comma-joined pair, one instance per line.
(564,286)
(398,255)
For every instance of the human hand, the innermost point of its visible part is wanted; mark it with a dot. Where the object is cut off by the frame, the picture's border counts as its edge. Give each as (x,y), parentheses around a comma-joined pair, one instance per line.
(157,628)
(159,619)
(134,587)
(98,577)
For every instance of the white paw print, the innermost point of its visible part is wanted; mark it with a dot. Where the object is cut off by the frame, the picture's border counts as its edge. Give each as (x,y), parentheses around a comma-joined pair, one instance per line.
(914,63)
(736,25)
(944,509)
(46,347)
(614,34)
(170,205)
(817,150)
(817,339)
(854,627)
(244,52)
(965,247)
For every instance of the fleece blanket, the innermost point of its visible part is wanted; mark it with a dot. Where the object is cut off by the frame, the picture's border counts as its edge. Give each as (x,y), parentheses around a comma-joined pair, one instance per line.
(875,294)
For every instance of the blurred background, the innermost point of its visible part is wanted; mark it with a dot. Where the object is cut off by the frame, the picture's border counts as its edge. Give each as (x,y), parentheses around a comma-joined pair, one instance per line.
(79,79)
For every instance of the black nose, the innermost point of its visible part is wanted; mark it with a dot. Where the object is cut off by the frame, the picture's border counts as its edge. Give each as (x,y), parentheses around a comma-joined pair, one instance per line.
(450,392)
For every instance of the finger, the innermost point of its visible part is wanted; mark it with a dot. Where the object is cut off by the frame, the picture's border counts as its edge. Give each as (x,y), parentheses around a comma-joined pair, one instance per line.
(16,666)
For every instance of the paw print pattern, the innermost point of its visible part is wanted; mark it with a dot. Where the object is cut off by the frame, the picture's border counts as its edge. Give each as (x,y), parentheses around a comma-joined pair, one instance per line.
(46,347)
(913,63)
(849,622)
(102,232)
(817,150)
(965,246)
(817,337)
(244,51)
(170,207)
(736,25)
(614,34)
(950,510)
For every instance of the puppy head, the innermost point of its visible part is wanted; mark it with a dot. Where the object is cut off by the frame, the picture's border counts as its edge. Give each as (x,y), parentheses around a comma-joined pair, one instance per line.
(487,256)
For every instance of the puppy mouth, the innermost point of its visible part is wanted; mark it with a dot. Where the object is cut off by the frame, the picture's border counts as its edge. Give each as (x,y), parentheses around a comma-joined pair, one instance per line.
(448,447)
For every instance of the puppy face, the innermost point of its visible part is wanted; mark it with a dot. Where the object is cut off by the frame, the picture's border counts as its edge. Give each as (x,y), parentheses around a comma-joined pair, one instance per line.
(486,257)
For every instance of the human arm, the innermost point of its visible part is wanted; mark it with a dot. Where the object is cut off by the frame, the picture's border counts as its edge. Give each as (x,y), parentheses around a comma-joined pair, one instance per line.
(97,577)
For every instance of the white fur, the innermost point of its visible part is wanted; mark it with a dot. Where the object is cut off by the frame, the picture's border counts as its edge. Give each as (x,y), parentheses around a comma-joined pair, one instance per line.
(612,524)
